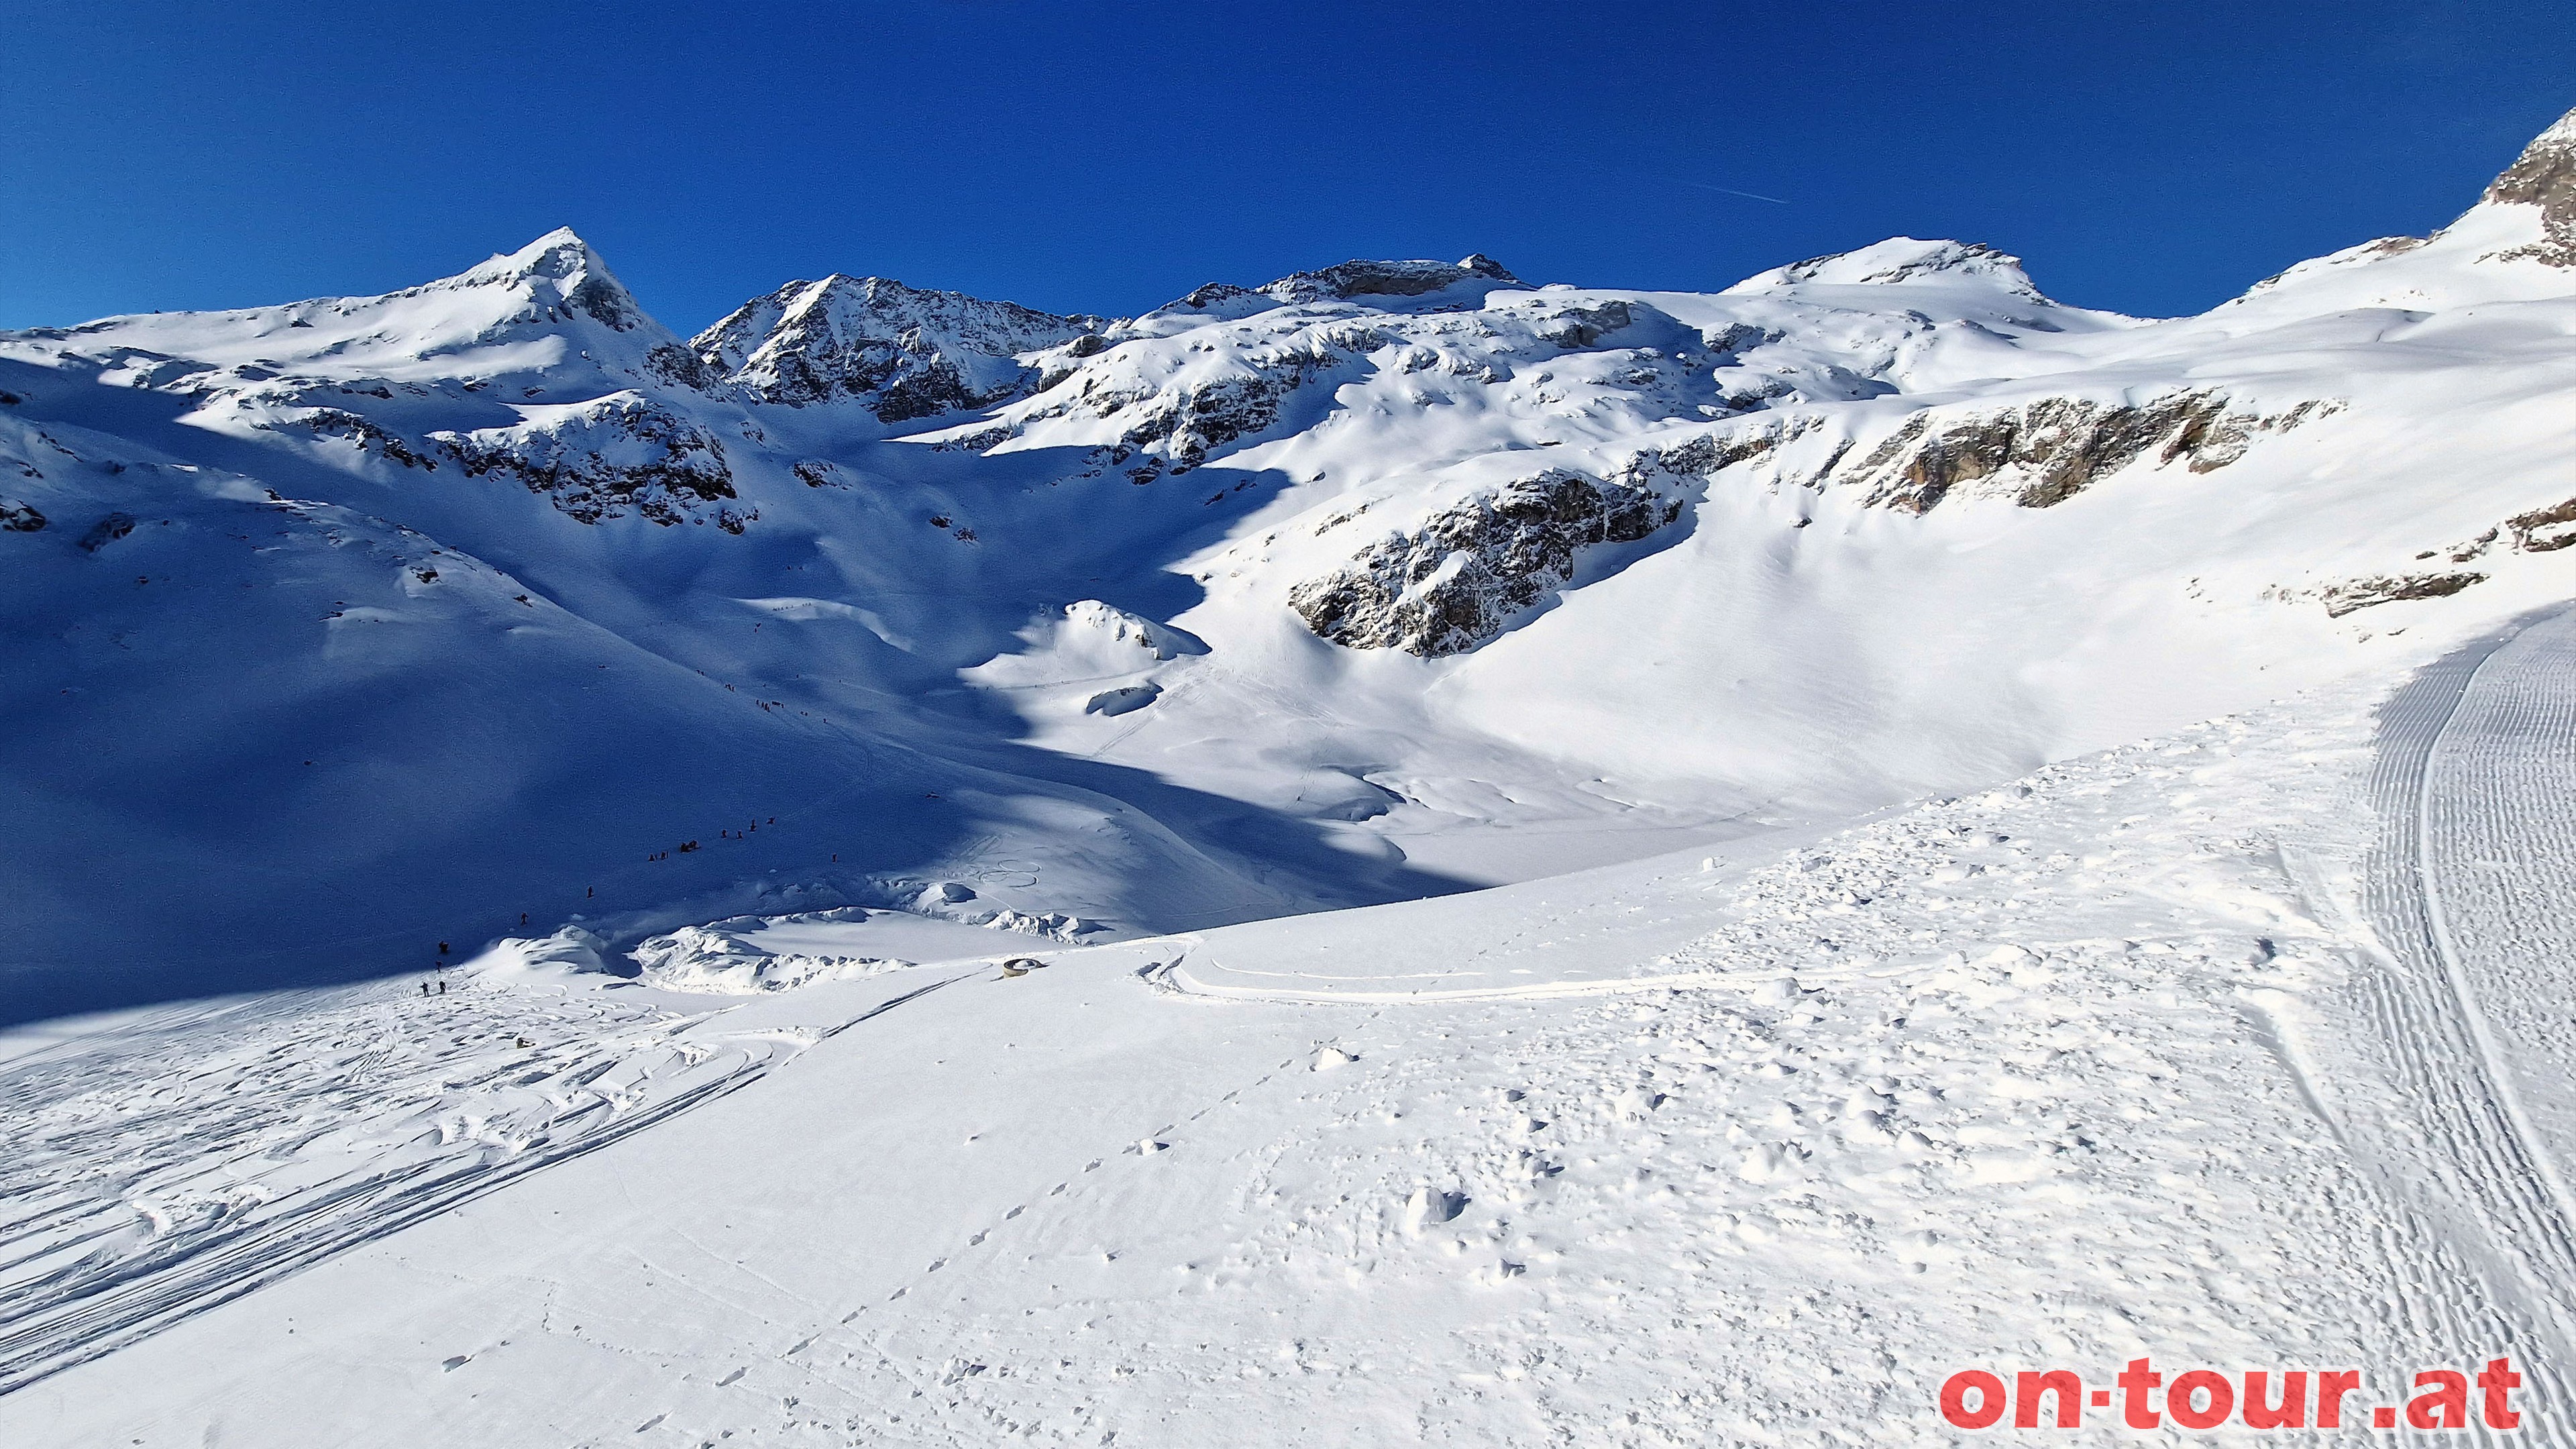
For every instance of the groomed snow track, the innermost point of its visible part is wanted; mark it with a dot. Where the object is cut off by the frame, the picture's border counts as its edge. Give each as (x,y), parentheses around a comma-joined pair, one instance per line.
(2470,886)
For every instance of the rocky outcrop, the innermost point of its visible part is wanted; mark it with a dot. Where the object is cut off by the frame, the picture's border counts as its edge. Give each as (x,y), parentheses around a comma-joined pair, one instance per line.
(1186,417)
(821,473)
(357,431)
(18,517)
(904,352)
(608,458)
(1708,453)
(2544,530)
(2344,598)
(1455,582)
(1355,279)
(2545,176)
(1574,328)
(106,531)
(2044,452)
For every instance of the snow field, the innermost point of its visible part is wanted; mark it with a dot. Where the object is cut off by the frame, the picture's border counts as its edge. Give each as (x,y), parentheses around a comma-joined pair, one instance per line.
(165,1166)
(2053,1074)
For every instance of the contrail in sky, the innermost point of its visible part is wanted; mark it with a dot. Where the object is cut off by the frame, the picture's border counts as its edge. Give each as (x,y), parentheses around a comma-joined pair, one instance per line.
(1731,191)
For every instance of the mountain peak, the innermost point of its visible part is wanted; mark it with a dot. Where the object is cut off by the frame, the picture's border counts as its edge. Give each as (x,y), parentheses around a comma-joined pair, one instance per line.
(559,267)
(1897,260)
(915,351)
(558,254)
(2544,175)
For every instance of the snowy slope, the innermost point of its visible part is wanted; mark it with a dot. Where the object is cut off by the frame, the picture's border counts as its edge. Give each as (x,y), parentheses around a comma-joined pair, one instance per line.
(2111,1061)
(1367,583)
(2122,766)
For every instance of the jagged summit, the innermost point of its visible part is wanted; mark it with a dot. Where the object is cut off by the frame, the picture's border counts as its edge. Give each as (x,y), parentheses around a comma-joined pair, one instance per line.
(558,268)
(2545,176)
(910,351)
(1895,261)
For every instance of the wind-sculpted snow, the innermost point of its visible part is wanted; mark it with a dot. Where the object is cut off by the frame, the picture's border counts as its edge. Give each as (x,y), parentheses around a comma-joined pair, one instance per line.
(177,1162)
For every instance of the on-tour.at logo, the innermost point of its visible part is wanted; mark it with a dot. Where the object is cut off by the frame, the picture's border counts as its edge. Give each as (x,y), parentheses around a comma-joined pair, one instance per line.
(2208,1398)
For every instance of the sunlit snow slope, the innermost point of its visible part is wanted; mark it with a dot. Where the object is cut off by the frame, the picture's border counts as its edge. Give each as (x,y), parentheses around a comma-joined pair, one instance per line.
(343,628)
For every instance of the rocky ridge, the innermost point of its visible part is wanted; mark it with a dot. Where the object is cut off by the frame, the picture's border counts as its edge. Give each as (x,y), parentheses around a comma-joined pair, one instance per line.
(902,352)
(2545,176)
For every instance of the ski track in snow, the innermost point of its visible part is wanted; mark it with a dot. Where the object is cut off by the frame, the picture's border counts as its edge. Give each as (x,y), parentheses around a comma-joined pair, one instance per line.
(171,1164)
(2467,1007)
(2244,1046)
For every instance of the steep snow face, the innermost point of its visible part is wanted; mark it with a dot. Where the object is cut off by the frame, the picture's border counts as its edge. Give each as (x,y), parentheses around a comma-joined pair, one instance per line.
(904,353)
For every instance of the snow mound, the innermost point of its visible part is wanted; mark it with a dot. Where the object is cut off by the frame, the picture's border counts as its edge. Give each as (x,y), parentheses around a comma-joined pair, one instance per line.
(1896,261)
(718,959)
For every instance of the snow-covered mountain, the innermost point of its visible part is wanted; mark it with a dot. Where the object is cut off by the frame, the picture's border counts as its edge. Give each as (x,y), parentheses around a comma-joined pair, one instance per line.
(905,352)
(400,616)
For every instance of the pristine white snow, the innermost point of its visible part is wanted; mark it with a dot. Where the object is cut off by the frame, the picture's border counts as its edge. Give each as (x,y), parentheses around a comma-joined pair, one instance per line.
(1752,1148)
(1404,855)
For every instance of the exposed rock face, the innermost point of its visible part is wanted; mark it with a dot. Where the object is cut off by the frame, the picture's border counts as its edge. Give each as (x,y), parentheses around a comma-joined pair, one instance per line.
(1455,583)
(2545,177)
(1710,453)
(906,352)
(1374,279)
(2544,530)
(20,517)
(1579,327)
(366,436)
(2344,598)
(606,458)
(2044,452)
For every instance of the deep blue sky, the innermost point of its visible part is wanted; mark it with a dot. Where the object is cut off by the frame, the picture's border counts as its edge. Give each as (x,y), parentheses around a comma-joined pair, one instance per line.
(2156,159)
